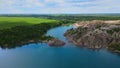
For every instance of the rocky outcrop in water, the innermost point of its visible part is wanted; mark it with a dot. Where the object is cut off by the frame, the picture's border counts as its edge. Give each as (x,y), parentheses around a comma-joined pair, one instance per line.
(94,34)
(55,42)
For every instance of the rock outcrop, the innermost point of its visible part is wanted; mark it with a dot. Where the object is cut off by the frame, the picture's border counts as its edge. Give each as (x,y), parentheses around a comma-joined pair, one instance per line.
(94,34)
(55,42)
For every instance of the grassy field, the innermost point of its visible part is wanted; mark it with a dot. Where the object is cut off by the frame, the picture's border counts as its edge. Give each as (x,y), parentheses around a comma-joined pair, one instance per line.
(8,22)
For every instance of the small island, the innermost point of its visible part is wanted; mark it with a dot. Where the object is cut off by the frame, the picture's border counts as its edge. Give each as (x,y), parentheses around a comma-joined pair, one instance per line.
(96,34)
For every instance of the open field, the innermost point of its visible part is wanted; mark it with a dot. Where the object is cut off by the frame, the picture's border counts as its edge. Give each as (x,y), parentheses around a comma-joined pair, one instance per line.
(7,22)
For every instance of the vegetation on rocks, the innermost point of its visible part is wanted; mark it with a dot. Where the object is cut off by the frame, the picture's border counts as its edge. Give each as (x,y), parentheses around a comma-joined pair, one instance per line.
(95,34)
(115,47)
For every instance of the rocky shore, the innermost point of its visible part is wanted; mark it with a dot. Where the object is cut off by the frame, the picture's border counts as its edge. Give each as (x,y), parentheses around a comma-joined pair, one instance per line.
(95,34)
(55,42)
(51,42)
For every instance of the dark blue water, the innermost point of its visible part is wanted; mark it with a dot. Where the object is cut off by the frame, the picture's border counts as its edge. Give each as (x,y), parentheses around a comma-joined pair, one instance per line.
(69,56)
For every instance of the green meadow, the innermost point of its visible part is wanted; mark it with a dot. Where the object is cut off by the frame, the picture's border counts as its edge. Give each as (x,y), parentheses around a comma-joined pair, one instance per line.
(8,22)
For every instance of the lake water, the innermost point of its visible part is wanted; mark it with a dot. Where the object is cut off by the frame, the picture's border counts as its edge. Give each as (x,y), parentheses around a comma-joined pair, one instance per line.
(69,56)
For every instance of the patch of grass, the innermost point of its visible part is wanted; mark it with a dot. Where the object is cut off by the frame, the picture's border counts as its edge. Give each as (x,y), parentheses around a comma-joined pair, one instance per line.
(8,22)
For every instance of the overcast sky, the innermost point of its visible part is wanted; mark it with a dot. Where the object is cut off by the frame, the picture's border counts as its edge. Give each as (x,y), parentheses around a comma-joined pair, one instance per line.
(58,6)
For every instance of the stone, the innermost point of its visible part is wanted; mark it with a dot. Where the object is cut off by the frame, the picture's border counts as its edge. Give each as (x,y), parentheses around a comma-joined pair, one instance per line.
(56,42)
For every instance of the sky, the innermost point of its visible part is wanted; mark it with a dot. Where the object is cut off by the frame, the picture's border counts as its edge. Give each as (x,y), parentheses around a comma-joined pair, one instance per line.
(59,6)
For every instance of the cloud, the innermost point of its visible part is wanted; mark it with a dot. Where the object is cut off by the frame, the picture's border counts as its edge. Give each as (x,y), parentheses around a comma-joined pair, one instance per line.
(59,6)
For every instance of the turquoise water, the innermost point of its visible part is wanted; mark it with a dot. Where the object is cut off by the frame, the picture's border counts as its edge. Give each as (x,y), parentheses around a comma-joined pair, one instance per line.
(69,56)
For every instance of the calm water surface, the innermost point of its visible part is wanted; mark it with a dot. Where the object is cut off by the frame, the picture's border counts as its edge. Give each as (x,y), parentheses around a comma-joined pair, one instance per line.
(69,56)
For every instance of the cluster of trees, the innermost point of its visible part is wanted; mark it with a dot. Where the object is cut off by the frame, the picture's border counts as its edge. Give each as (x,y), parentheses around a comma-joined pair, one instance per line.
(82,18)
(18,35)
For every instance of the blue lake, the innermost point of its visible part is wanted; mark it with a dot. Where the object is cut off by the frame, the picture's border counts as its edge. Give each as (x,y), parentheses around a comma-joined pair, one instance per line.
(40,55)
